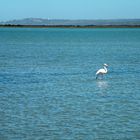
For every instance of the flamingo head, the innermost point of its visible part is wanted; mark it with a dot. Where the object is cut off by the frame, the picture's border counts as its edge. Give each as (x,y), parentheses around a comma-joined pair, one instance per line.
(105,65)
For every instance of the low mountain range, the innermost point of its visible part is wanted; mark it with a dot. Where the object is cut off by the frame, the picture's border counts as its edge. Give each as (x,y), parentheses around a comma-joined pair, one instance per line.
(54,22)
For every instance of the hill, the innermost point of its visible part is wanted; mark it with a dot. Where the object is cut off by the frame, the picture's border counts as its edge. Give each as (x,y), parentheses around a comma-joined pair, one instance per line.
(56,22)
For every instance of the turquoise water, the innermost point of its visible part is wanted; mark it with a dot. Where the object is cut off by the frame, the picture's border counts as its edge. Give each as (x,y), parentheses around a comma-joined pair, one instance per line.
(48,89)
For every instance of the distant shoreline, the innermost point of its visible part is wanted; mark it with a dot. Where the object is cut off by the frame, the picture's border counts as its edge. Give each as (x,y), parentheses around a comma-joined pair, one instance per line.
(70,26)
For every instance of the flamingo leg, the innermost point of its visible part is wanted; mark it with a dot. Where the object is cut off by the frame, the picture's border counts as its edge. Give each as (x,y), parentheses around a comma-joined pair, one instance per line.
(97,76)
(102,76)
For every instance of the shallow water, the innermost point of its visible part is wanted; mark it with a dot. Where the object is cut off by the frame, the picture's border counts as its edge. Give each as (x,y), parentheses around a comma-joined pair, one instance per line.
(48,88)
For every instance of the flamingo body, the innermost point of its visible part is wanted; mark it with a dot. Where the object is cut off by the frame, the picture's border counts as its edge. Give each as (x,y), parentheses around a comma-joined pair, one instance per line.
(102,71)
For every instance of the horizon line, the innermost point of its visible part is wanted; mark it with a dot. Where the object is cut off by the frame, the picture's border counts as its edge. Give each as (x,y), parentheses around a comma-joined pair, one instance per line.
(70,19)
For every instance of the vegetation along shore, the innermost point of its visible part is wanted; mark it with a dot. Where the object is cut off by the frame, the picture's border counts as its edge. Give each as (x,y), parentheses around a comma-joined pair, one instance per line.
(70,26)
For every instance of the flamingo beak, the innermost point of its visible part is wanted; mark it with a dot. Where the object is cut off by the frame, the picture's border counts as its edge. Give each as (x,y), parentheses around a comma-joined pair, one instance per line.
(106,65)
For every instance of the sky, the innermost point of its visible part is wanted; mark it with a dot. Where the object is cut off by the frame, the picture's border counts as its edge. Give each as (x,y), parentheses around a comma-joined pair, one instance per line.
(69,9)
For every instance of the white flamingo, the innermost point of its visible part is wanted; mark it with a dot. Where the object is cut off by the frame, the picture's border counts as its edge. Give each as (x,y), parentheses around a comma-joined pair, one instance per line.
(102,71)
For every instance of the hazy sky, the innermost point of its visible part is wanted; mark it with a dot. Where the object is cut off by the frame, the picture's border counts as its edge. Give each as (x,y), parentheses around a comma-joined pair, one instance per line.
(69,9)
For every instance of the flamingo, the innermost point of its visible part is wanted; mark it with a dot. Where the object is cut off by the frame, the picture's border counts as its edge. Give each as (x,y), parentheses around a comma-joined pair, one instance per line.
(102,71)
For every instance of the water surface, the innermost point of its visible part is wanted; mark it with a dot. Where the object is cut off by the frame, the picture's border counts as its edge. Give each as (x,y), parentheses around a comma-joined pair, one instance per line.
(48,88)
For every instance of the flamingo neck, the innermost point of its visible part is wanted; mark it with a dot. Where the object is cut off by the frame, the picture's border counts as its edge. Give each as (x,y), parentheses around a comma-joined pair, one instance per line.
(105,69)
